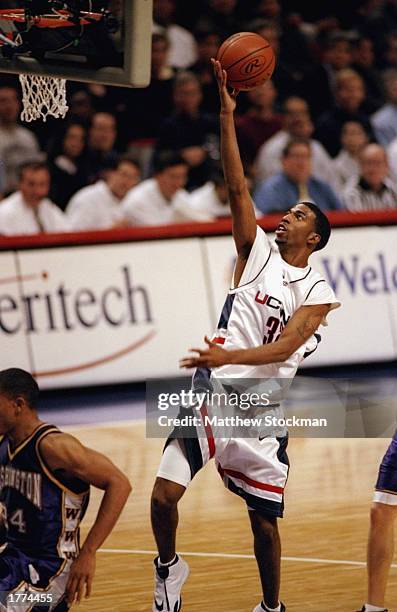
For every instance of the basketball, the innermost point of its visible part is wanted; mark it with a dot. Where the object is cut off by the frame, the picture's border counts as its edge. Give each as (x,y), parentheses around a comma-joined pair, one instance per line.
(248,59)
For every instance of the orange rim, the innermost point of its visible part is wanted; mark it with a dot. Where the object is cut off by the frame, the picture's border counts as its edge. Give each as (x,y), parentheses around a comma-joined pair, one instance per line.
(60,19)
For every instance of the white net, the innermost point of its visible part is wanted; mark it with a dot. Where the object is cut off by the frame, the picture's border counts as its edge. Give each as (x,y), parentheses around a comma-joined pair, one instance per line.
(42,96)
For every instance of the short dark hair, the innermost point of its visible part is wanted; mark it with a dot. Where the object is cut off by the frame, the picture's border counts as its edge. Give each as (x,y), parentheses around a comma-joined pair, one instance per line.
(115,162)
(15,382)
(32,164)
(167,159)
(321,224)
(294,142)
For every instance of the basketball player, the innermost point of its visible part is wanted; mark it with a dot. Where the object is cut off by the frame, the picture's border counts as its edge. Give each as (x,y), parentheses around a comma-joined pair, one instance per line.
(381,533)
(44,489)
(268,322)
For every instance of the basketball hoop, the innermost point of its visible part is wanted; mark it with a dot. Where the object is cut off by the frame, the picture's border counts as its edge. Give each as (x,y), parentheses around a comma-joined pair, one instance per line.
(42,96)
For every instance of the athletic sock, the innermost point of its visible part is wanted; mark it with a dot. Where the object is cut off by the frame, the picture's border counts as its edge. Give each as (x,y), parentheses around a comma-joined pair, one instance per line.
(169,563)
(278,609)
(369,608)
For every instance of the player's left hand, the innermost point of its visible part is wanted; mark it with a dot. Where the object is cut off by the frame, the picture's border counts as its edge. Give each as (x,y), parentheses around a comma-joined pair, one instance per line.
(212,357)
(80,577)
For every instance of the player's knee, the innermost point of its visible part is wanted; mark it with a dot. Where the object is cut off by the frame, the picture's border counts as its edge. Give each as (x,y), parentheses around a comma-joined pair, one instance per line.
(165,495)
(263,526)
(381,514)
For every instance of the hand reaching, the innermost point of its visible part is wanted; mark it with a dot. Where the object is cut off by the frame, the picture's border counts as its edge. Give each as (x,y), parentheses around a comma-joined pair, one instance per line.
(212,357)
(228,99)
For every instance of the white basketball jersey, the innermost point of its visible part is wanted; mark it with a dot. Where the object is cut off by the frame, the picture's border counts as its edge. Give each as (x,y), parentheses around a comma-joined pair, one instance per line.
(269,293)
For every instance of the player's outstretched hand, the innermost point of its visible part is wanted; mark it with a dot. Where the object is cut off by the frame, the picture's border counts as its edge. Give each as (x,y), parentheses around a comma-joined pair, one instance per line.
(80,577)
(228,99)
(212,357)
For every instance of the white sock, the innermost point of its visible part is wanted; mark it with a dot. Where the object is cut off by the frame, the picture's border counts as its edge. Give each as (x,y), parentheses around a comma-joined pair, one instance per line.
(278,609)
(369,608)
(161,564)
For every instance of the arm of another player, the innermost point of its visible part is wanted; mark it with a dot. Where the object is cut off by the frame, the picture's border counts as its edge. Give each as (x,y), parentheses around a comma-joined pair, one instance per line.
(64,452)
(298,330)
(243,215)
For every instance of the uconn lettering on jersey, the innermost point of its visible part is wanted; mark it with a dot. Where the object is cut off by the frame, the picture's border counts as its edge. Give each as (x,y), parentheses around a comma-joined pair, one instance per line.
(273,324)
(26,483)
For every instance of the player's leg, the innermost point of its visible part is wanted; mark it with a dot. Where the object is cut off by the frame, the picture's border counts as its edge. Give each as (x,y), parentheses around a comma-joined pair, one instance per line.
(164,514)
(257,470)
(173,477)
(267,547)
(380,551)
(171,571)
(381,533)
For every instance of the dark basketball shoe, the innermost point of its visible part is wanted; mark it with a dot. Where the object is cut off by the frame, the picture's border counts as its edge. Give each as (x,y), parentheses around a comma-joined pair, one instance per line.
(169,581)
(363,609)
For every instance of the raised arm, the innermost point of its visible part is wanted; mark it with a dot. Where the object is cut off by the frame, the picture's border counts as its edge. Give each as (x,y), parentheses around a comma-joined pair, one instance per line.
(243,216)
(66,453)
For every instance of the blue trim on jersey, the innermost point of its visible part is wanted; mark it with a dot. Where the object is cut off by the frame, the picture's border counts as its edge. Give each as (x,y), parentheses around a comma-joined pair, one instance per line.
(226,311)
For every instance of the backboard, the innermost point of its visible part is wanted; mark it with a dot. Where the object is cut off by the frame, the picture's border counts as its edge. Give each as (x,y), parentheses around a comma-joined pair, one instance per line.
(108,42)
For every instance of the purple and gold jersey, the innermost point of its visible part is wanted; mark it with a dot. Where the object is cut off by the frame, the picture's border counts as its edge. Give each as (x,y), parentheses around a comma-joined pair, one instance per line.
(43,510)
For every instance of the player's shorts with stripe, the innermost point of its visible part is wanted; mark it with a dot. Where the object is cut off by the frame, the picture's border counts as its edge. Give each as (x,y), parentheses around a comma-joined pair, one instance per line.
(21,574)
(255,469)
(386,485)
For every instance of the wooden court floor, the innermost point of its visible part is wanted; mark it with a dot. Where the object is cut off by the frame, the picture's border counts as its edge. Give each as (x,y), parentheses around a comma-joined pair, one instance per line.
(324,530)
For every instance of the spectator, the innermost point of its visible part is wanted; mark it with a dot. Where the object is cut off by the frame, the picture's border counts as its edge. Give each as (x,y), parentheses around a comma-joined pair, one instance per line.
(144,108)
(320,82)
(190,132)
(67,164)
(297,124)
(212,198)
(295,183)
(350,95)
(384,121)
(260,122)
(101,152)
(220,16)
(346,163)
(389,56)
(294,52)
(98,206)
(17,144)
(364,65)
(28,210)
(392,157)
(286,79)
(208,43)
(373,189)
(81,105)
(162,199)
(183,51)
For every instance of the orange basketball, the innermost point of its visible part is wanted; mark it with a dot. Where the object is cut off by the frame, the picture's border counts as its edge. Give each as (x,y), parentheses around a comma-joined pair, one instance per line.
(248,60)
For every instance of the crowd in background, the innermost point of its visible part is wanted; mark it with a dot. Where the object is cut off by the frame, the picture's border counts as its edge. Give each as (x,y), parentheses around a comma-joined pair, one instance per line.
(323,129)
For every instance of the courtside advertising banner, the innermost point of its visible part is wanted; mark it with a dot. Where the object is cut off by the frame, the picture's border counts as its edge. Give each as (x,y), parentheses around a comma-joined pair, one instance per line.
(104,314)
(358,263)
(15,345)
(388,242)
(127,312)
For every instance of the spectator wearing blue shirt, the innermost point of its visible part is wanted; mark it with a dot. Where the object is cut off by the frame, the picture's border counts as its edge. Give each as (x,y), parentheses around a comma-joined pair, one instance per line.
(384,121)
(295,183)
